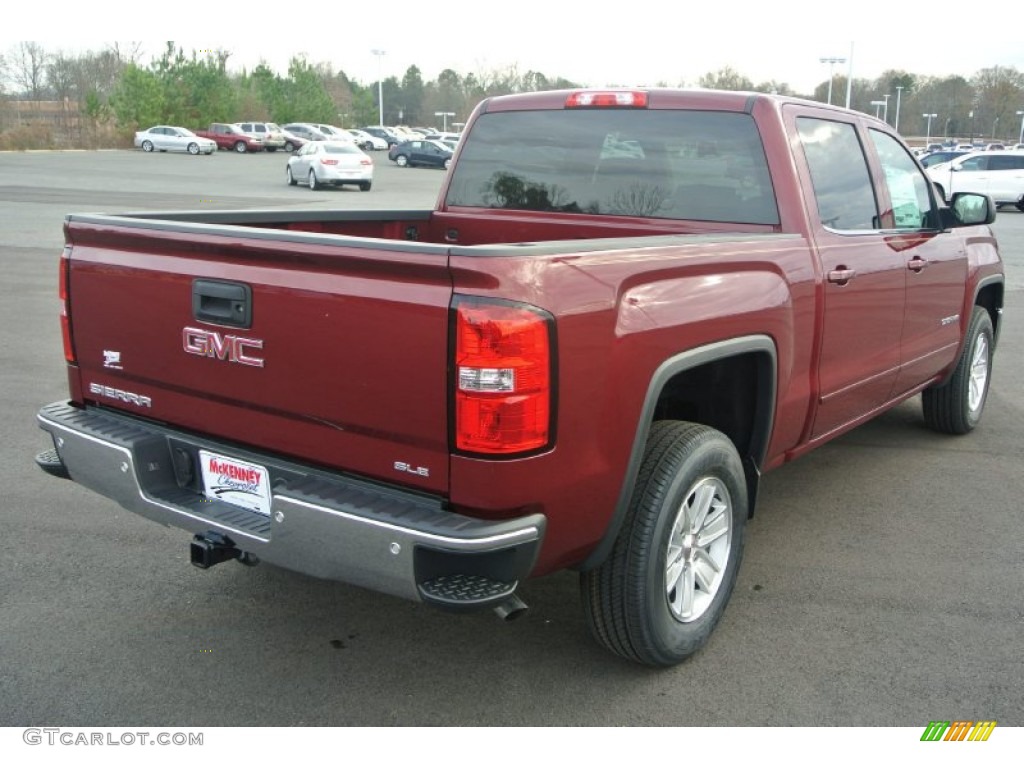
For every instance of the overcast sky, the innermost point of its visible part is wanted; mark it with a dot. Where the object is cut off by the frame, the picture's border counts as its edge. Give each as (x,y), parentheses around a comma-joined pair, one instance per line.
(594,43)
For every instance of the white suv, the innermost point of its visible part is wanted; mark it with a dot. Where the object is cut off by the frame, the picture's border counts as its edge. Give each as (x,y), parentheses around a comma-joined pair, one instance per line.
(269,133)
(998,174)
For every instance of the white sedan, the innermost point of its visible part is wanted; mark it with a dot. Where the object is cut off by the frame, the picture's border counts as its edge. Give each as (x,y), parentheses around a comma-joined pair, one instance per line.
(171,138)
(330,163)
(366,140)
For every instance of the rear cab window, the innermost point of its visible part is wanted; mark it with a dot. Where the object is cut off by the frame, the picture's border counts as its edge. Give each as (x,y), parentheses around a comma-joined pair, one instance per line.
(670,164)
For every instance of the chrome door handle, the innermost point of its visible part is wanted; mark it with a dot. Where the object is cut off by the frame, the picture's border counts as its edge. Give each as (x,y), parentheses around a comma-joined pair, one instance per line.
(841,276)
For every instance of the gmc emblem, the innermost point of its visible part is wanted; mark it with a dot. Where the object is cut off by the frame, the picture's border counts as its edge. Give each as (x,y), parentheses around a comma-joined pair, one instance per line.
(197,341)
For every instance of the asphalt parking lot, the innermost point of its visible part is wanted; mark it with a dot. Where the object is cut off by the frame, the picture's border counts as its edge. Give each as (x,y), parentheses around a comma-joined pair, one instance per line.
(881,583)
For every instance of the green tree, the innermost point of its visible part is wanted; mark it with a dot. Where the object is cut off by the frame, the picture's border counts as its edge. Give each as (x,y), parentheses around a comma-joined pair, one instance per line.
(137,100)
(413,93)
(302,97)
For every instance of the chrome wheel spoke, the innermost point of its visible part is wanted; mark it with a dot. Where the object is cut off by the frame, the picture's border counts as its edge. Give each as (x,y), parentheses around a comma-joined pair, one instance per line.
(676,564)
(715,528)
(705,571)
(681,593)
(702,501)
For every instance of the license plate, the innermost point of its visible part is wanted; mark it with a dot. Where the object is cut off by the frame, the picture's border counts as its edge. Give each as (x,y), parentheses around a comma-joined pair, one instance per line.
(235,482)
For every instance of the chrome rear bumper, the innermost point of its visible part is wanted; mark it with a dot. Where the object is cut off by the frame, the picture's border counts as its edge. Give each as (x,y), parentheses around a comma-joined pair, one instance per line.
(322,524)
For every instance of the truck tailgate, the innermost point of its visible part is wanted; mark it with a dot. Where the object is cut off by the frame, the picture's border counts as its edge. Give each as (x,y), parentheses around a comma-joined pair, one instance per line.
(327,349)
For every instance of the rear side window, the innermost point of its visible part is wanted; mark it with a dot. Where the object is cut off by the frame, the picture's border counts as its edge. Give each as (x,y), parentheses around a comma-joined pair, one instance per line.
(839,174)
(672,164)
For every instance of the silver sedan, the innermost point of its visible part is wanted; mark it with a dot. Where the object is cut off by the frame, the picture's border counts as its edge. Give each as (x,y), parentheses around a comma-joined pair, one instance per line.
(171,138)
(330,163)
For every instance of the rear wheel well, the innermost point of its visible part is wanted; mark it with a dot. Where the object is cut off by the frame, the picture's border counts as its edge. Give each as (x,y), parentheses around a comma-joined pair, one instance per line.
(726,395)
(728,386)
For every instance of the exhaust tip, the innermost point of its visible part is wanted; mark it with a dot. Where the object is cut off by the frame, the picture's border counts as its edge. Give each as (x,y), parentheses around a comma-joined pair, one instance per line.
(511,609)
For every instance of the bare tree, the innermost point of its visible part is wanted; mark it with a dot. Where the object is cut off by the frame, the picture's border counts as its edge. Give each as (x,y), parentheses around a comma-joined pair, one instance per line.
(28,69)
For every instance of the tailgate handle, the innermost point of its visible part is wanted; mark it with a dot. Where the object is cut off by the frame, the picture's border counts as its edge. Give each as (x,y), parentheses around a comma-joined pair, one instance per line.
(222,303)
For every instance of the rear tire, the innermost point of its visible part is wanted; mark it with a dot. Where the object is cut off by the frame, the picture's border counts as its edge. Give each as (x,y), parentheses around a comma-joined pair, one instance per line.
(313,185)
(147,146)
(402,161)
(289,177)
(663,588)
(364,186)
(955,406)
(240,147)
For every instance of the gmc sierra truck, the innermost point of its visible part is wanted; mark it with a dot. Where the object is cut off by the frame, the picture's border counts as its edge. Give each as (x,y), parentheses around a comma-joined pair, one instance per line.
(625,307)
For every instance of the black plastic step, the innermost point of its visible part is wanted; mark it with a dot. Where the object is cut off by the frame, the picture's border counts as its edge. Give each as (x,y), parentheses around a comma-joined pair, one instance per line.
(461,590)
(49,461)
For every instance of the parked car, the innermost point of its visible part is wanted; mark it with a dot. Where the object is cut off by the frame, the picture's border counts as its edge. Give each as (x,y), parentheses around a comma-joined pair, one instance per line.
(228,136)
(334,133)
(380,131)
(421,152)
(330,163)
(366,140)
(292,142)
(305,131)
(934,158)
(173,138)
(443,136)
(269,133)
(994,146)
(996,173)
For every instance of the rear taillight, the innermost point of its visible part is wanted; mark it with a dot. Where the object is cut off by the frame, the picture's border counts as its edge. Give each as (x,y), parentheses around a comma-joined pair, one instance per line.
(327,161)
(503,378)
(65,305)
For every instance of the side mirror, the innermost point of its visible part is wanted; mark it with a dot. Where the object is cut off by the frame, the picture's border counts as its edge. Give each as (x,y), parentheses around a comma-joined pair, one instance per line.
(970,209)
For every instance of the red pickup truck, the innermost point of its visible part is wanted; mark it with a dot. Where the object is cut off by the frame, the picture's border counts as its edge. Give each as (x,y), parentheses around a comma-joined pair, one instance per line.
(625,307)
(228,136)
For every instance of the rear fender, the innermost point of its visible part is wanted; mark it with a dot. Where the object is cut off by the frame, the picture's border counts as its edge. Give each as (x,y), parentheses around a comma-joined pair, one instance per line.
(763,350)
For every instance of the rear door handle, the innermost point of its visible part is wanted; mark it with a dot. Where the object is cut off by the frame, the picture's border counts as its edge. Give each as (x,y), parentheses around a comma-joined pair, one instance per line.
(841,276)
(916,264)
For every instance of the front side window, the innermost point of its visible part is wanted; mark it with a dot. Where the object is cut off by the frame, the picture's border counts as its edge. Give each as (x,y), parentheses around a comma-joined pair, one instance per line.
(671,164)
(839,174)
(908,189)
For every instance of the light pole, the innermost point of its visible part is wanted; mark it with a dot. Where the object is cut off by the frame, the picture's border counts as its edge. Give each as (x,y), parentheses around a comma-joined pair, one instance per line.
(876,105)
(971,115)
(380,82)
(885,115)
(899,94)
(831,61)
(994,124)
(444,116)
(1020,140)
(928,130)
